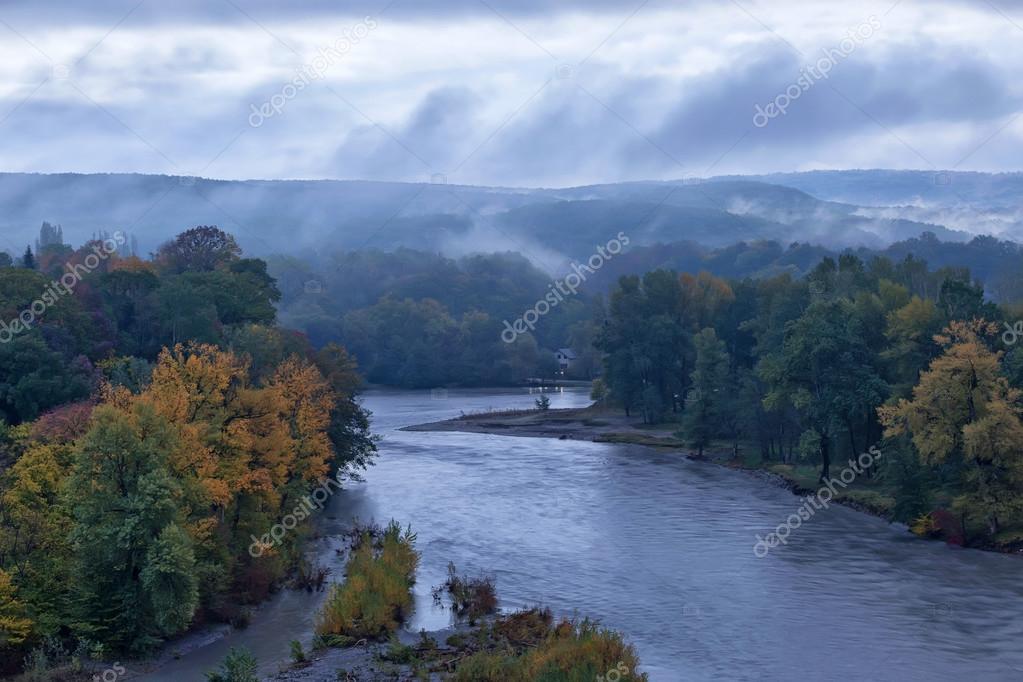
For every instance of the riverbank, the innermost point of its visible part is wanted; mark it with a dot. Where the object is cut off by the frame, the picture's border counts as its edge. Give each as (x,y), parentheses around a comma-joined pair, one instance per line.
(370,660)
(597,424)
(608,425)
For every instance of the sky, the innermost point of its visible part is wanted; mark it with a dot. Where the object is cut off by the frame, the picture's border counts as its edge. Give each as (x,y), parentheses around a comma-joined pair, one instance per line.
(512,93)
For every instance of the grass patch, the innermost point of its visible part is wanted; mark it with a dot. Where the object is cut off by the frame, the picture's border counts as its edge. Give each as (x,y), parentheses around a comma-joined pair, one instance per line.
(485,414)
(376,597)
(525,646)
(528,647)
(638,439)
(874,501)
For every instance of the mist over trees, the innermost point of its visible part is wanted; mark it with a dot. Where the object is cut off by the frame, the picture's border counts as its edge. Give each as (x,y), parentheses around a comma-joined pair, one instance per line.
(418,319)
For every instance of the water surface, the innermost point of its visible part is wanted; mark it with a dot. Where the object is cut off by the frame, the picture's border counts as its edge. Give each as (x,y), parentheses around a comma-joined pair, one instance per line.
(661,548)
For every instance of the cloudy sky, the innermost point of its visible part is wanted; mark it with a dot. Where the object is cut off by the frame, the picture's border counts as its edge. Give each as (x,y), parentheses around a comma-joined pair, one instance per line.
(508,92)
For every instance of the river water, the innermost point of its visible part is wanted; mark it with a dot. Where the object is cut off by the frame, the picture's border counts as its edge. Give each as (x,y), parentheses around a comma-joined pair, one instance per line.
(660,548)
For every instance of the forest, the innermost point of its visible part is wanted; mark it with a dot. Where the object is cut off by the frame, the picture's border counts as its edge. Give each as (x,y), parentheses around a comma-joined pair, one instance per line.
(418,319)
(421,320)
(819,369)
(154,421)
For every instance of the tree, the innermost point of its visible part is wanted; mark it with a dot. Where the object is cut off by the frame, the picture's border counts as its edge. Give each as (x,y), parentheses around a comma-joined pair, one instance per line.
(705,412)
(910,332)
(200,249)
(646,344)
(14,626)
(28,261)
(34,379)
(49,235)
(964,411)
(34,527)
(824,369)
(134,568)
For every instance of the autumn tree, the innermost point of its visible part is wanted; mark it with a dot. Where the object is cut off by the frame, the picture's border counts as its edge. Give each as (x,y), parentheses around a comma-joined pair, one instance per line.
(14,626)
(963,411)
(34,530)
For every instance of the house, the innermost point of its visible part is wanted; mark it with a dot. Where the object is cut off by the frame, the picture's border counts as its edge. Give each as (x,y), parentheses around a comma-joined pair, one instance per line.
(565,356)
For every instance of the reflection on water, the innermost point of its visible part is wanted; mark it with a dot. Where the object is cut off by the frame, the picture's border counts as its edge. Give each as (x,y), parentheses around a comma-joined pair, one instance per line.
(661,548)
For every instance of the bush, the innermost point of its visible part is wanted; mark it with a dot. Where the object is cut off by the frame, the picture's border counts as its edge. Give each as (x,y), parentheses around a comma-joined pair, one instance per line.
(238,666)
(530,649)
(297,654)
(471,598)
(543,403)
(376,597)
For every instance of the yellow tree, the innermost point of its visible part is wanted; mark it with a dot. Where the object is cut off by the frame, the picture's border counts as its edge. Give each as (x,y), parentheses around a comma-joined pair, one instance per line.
(34,528)
(14,626)
(246,449)
(192,387)
(964,411)
(309,401)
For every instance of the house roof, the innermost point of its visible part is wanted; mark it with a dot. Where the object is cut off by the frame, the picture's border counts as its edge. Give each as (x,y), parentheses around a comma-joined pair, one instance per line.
(567,352)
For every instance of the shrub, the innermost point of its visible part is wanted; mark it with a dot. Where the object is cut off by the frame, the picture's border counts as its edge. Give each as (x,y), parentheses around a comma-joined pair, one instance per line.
(376,596)
(398,652)
(238,666)
(526,647)
(471,598)
(297,654)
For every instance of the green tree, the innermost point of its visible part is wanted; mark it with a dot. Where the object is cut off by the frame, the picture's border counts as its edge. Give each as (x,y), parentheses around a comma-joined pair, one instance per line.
(706,407)
(34,379)
(824,369)
(134,567)
(200,249)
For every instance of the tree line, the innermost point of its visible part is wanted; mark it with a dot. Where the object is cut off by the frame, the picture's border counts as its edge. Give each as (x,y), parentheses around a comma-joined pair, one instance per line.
(420,320)
(819,369)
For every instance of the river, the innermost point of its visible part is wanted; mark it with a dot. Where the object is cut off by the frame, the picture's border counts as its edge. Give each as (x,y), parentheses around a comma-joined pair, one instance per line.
(660,548)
